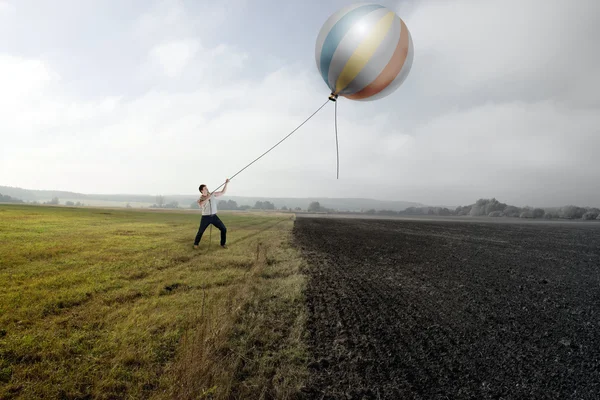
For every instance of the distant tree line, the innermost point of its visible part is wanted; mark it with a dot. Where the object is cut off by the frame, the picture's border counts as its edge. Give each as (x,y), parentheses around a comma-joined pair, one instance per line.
(54,201)
(315,206)
(9,199)
(482,207)
(229,205)
(161,202)
(494,208)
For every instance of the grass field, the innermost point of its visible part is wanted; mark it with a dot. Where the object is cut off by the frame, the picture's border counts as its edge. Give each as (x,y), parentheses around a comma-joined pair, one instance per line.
(108,303)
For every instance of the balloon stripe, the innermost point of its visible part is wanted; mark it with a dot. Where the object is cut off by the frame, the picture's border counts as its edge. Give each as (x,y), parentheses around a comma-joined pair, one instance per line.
(399,80)
(331,21)
(364,52)
(353,39)
(377,62)
(337,33)
(390,72)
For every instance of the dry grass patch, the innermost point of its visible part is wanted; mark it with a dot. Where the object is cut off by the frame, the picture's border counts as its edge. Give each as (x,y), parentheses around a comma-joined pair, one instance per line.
(116,304)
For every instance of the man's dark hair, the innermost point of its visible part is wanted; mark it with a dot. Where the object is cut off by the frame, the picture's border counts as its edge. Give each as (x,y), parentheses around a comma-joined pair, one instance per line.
(201,187)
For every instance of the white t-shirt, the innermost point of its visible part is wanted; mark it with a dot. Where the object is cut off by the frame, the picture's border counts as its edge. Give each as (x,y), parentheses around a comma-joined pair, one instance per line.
(210,207)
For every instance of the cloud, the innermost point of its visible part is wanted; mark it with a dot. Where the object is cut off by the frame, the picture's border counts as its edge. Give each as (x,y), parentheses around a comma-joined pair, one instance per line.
(127,138)
(504,49)
(501,101)
(166,20)
(523,136)
(23,79)
(6,9)
(174,56)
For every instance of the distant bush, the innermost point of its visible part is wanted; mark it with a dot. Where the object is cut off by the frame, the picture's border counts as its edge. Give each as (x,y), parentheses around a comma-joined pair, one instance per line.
(486,206)
(494,208)
(227,205)
(572,212)
(538,213)
(526,214)
(54,201)
(412,211)
(264,205)
(477,209)
(315,206)
(512,211)
(9,199)
(462,210)
(387,212)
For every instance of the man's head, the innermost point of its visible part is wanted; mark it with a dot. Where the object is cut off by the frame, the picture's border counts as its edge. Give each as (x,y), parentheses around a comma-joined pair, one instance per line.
(203,189)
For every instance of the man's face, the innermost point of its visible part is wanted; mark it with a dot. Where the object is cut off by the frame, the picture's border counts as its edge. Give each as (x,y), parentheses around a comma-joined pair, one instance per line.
(205,190)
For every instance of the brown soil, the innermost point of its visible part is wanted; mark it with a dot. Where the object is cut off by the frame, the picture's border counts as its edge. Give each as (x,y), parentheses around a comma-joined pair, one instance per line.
(451,310)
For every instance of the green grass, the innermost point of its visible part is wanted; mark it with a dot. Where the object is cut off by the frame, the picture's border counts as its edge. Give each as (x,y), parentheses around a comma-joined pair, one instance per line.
(108,303)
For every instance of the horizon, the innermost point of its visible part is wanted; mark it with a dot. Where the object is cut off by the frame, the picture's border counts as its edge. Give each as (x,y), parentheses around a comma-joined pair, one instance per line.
(416,203)
(160,96)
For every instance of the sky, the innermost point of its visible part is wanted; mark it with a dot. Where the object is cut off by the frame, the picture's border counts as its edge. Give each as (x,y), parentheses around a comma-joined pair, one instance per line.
(157,97)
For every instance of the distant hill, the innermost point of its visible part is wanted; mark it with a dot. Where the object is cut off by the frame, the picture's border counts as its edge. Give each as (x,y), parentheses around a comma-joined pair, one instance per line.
(35,195)
(341,204)
(46,195)
(481,208)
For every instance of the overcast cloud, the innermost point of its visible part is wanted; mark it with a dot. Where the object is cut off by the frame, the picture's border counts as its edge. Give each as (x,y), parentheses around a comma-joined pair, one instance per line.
(149,97)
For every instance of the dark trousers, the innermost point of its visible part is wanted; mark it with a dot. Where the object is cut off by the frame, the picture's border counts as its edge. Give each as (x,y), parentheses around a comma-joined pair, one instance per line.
(216,221)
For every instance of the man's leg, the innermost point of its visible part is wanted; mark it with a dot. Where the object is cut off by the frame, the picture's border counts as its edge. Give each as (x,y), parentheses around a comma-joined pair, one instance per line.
(204,223)
(219,224)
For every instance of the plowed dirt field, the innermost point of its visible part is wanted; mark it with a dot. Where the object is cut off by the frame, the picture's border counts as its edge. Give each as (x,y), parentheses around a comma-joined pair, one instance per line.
(451,310)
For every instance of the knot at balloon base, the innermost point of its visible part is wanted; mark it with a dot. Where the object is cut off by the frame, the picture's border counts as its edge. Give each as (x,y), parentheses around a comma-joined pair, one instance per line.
(333,97)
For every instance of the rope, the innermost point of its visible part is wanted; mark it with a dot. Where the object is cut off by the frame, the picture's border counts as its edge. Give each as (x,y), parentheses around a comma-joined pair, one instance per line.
(278,143)
(336,143)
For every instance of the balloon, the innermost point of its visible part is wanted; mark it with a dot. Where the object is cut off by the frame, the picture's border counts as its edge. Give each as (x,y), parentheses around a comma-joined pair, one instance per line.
(364,52)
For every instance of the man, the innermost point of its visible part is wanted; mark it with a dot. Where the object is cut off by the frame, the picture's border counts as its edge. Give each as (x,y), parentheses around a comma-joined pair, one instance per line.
(208,205)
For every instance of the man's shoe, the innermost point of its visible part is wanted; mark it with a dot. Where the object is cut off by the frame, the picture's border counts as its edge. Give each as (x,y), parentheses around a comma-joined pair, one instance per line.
(224,246)
(195,246)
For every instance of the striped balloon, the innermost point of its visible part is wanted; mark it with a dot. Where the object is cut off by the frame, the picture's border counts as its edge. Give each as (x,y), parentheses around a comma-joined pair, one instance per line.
(364,52)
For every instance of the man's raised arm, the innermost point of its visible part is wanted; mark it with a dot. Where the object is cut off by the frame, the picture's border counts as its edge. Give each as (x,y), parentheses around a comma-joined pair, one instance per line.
(222,192)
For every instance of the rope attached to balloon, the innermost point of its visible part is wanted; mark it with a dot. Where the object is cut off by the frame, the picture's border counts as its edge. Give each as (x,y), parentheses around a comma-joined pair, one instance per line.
(336,137)
(331,98)
(363,52)
(277,144)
